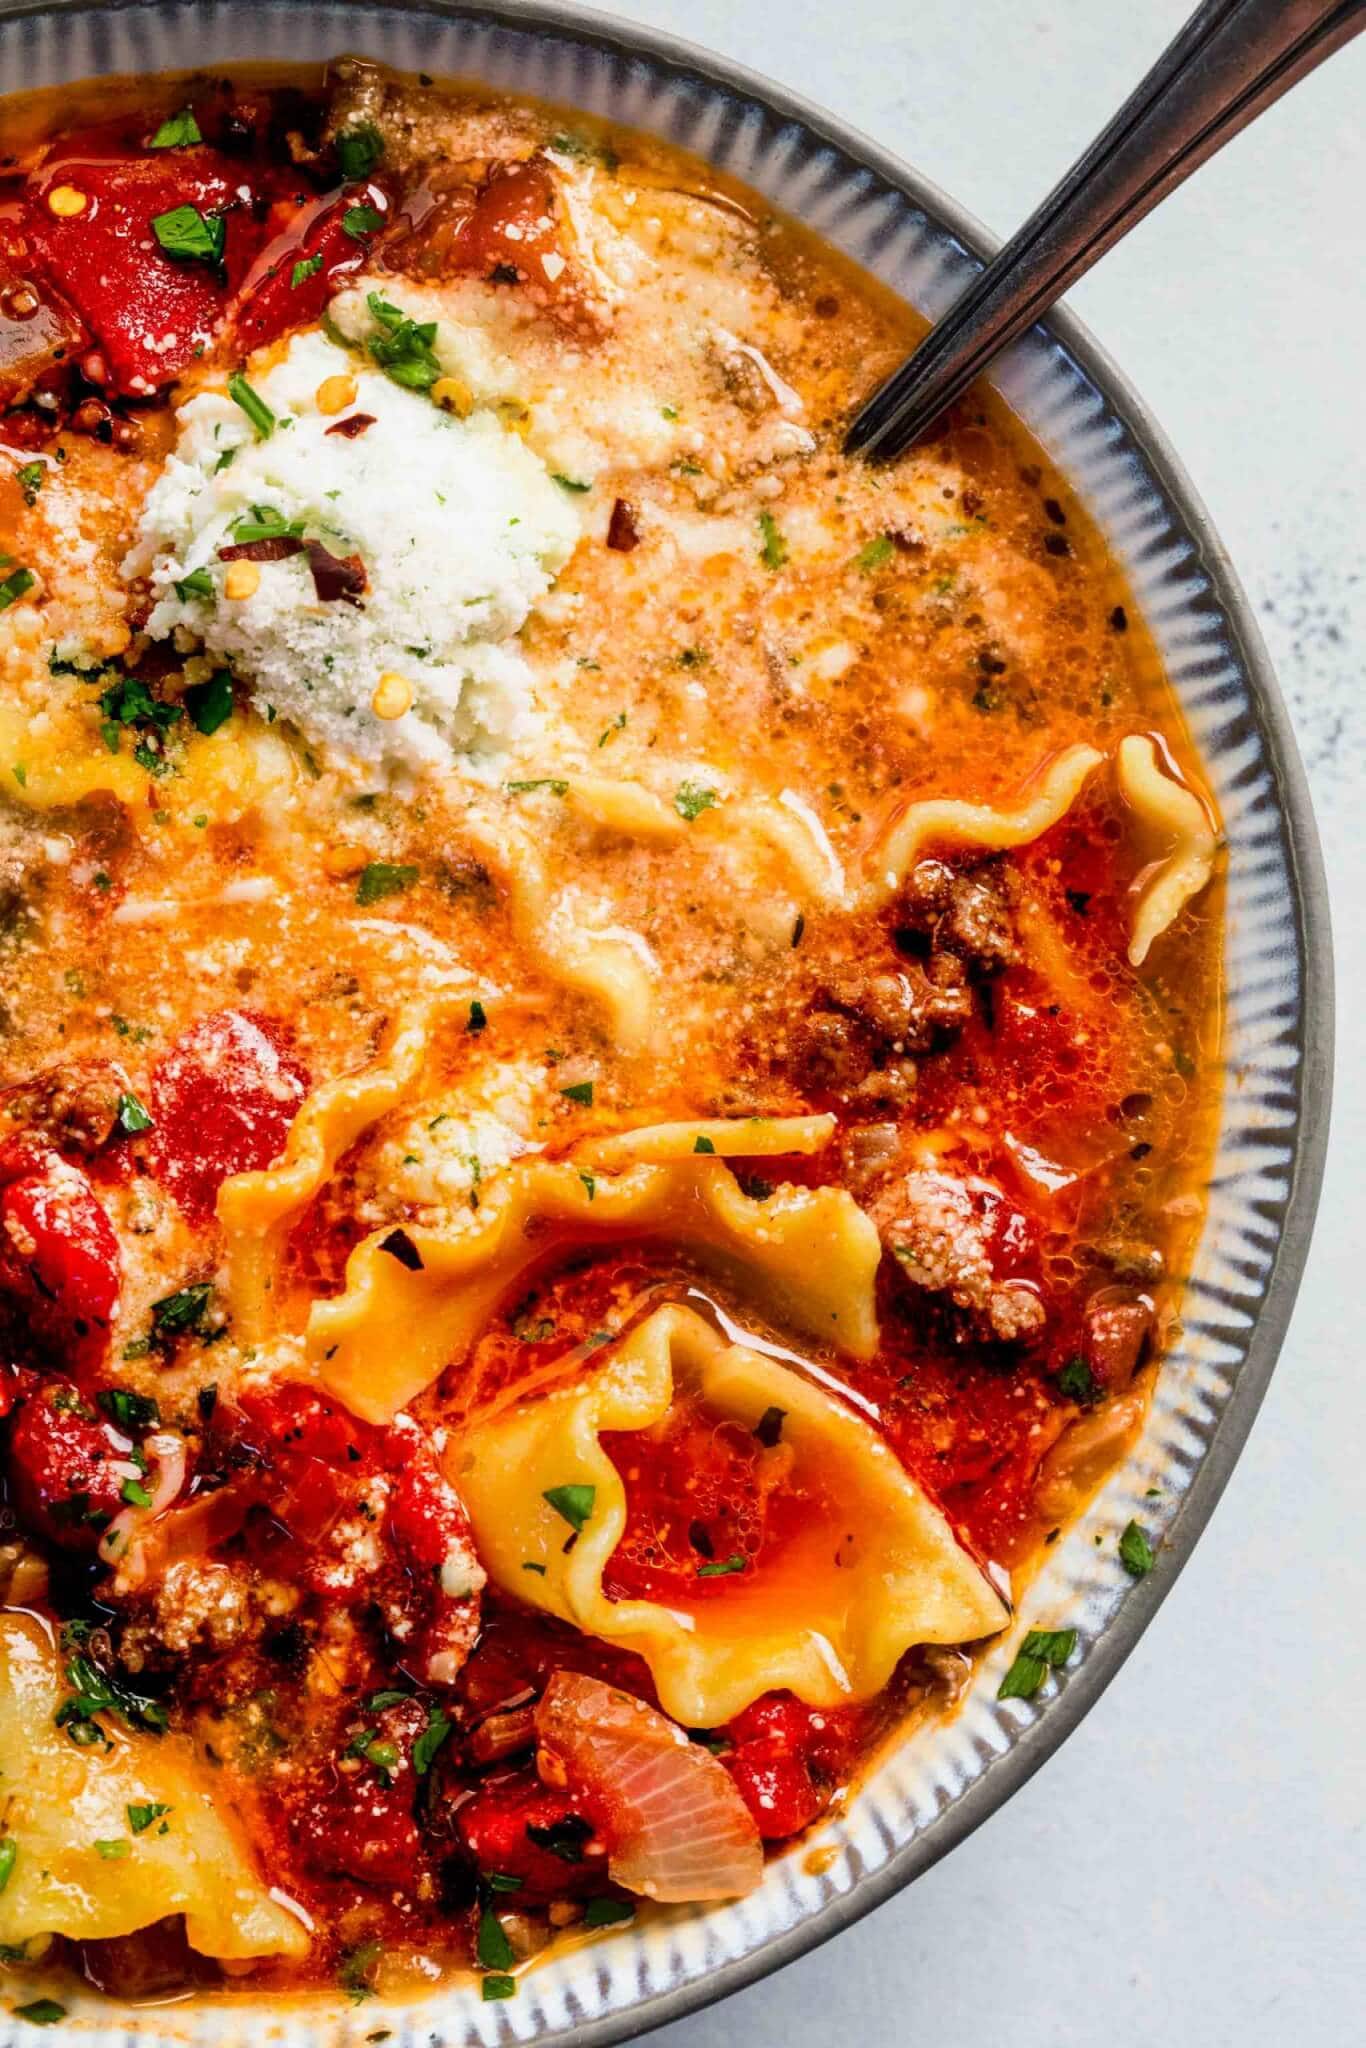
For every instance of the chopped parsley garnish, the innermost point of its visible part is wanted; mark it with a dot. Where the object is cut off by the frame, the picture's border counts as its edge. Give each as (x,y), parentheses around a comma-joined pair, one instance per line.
(580,1092)
(359,149)
(430,1740)
(361,220)
(403,349)
(14,587)
(1041,1651)
(528,1565)
(198,583)
(381,878)
(133,1413)
(495,1951)
(175,1315)
(569,483)
(378,1701)
(872,556)
(140,1818)
(30,478)
(573,1504)
(722,1568)
(115,1849)
(179,132)
(357,1968)
(1136,1552)
(703,1145)
(1077,1382)
(501,1881)
(265,523)
(93,1693)
(41,2012)
(497,1985)
(9,1856)
(255,407)
(210,704)
(131,1117)
(617,725)
(134,1494)
(607,1912)
(774,548)
(692,798)
(188,236)
(550,782)
(306,267)
(565,1838)
(478,1017)
(590,1184)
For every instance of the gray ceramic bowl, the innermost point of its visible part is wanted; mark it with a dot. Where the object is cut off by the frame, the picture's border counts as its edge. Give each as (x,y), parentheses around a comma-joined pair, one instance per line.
(935,1789)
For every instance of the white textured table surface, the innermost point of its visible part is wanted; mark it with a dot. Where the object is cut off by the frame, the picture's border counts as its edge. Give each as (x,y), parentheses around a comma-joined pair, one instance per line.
(1191,1867)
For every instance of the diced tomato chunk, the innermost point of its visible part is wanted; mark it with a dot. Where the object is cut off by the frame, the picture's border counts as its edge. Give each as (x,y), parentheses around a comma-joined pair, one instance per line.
(563,1857)
(298,271)
(788,1758)
(778,1789)
(62,1476)
(514,226)
(150,311)
(60,1264)
(360,1821)
(223,1099)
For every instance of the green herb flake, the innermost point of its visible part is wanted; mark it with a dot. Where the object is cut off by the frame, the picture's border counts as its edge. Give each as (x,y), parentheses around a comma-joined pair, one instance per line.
(403,347)
(580,1092)
(253,405)
(114,1851)
(478,1017)
(94,1692)
(704,1145)
(357,1968)
(1136,1552)
(359,221)
(874,554)
(573,1504)
(692,798)
(1041,1651)
(551,782)
(430,1740)
(177,1314)
(495,1951)
(20,774)
(774,548)
(134,1494)
(140,1818)
(497,1985)
(608,1912)
(14,587)
(381,878)
(210,704)
(501,1881)
(590,1184)
(618,725)
(359,149)
(1076,1382)
(570,483)
(188,236)
(199,583)
(306,267)
(529,1565)
(181,131)
(265,523)
(30,477)
(131,1117)
(133,1413)
(9,1856)
(723,1568)
(40,2012)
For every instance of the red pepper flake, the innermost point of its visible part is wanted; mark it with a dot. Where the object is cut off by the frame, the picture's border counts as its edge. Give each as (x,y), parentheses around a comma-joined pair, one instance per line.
(336,577)
(622,532)
(351,429)
(277,549)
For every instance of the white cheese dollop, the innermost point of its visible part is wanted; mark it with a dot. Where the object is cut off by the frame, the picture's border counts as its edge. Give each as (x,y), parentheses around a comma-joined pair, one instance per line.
(460,528)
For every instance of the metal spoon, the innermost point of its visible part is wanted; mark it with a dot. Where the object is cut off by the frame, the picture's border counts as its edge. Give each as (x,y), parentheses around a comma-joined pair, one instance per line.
(1229,62)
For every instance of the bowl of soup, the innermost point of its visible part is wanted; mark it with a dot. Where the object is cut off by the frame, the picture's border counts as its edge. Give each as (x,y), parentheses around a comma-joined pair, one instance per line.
(663,1091)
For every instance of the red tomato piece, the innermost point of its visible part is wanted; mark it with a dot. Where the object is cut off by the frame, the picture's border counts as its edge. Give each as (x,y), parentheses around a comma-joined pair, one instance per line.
(314,241)
(787,1759)
(360,1821)
(777,1787)
(59,1258)
(62,1476)
(514,227)
(150,312)
(563,1857)
(223,1099)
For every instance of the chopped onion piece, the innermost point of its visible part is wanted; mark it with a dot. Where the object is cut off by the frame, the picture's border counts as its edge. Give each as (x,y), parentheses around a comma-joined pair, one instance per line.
(677,1827)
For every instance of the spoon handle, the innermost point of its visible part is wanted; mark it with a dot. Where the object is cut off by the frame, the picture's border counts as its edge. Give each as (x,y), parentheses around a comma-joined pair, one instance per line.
(1229,62)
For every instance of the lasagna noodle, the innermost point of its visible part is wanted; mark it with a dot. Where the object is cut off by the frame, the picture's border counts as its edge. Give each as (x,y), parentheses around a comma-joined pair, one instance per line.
(809,1255)
(60,1802)
(1171,816)
(829,1619)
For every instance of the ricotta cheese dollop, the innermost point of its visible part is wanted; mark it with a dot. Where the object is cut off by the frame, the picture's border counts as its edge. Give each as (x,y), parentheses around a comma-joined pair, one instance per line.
(458,525)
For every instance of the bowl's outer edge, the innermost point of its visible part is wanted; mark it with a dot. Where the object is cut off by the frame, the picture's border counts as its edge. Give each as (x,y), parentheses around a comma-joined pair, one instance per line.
(677,59)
